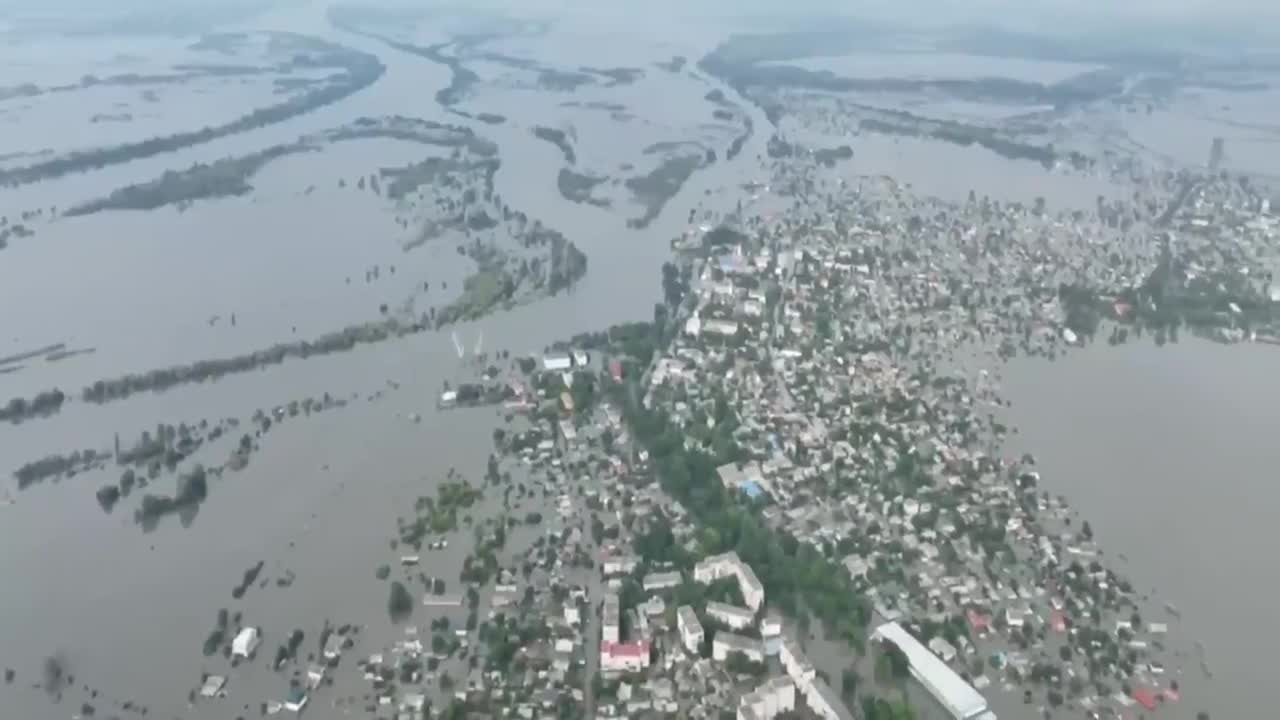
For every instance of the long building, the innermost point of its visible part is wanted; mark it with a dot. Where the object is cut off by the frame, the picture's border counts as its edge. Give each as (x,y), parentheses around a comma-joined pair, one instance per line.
(611,623)
(952,691)
(734,617)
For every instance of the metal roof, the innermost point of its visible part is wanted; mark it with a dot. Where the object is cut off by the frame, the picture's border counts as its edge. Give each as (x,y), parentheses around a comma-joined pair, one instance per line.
(956,695)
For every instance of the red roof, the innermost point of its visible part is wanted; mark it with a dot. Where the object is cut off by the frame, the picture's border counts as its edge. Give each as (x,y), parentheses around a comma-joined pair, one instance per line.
(631,649)
(978,621)
(1145,697)
(1058,620)
(615,369)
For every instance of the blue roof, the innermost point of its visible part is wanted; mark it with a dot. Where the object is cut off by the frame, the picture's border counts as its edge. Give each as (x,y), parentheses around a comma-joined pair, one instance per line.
(751,488)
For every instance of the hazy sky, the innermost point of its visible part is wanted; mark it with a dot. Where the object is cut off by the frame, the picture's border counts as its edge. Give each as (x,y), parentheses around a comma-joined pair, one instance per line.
(1049,16)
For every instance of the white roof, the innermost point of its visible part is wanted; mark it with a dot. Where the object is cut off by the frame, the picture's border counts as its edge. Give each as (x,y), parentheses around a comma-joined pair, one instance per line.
(714,607)
(245,642)
(947,686)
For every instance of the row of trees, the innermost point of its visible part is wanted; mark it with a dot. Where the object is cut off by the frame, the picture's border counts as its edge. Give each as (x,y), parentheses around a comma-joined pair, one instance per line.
(45,403)
(798,579)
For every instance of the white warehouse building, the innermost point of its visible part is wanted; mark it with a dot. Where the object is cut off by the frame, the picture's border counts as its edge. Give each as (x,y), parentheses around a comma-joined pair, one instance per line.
(957,696)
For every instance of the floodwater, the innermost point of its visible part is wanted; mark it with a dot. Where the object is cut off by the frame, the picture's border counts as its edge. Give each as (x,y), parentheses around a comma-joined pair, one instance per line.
(1185,129)
(128,610)
(1170,455)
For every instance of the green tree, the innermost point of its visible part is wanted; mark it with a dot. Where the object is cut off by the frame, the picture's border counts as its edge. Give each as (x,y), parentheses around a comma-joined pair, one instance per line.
(399,602)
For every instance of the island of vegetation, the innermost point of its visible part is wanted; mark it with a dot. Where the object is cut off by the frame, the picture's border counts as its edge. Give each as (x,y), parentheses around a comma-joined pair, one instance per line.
(359,71)
(654,189)
(230,176)
(577,187)
(558,138)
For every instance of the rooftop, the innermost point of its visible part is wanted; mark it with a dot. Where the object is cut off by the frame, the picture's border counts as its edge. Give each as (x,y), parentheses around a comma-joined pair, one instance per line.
(958,696)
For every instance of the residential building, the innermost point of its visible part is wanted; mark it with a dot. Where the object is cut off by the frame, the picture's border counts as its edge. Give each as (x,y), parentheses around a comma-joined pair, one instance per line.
(796,663)
(245,643)
(556,362)
(825,702)
(771,632)
(727,642)
(661,581)
(690,629)
(611,618)
(296,700)
(618,565)
(776,696)
(735,618)
(728,564)
(624,657)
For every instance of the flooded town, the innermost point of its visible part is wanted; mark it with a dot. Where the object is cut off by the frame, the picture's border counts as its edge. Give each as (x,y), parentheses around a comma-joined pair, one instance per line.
(425,360)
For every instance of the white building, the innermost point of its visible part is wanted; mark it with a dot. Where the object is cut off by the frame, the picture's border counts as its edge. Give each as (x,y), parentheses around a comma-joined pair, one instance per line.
(296,701)
(556,362)
(618,565)
(245,643)
(735,617)
(951,690)
(212,686)
(797,665)
(315,675)
(691,634)
(333,646)
(580,358)
(856,566)
(774,697)
(612,618)
(624,657)
(717,566)
(771,632)
(727,642)
(825,702)
(661,581)
(942,648)
(725,328)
